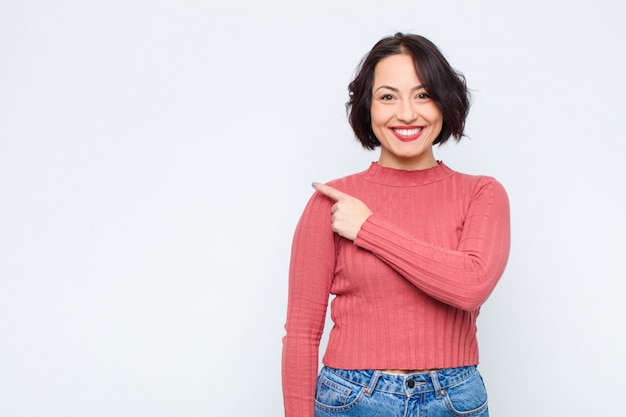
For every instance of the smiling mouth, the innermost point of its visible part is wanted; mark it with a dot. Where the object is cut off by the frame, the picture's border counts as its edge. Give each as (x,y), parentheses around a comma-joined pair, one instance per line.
(407,134)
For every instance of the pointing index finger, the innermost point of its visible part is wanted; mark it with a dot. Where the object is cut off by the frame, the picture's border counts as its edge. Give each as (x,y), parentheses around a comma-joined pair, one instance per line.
(329,191)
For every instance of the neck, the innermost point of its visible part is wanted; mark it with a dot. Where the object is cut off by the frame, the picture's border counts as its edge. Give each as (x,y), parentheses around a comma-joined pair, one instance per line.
(407,164)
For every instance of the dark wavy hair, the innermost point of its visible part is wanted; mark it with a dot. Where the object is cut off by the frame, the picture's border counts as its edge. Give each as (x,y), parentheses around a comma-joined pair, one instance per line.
(446,87)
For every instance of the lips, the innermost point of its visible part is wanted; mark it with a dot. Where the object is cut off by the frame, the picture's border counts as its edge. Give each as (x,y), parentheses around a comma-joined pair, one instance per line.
(407,133)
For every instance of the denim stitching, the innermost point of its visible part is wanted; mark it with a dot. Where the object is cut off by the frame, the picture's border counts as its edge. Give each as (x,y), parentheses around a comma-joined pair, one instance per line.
(451,380)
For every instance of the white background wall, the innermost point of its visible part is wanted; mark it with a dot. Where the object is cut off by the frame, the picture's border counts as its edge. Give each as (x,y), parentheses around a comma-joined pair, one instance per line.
(155,157)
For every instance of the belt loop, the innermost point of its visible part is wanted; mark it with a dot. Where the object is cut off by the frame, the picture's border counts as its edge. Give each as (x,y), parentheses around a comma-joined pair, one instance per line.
(370,388)
(439,392)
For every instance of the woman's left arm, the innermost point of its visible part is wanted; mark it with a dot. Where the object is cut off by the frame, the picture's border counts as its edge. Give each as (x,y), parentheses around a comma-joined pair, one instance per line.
(463,277)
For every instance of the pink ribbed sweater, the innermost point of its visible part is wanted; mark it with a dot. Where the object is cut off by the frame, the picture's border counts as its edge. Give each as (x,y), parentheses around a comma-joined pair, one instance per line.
(408,289)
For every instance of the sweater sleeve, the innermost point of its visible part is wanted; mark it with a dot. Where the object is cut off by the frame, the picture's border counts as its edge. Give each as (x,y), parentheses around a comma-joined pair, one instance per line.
(310,277)
(464,276)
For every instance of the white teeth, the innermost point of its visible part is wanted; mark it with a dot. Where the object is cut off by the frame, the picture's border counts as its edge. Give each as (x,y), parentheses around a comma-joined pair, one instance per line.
(408,132)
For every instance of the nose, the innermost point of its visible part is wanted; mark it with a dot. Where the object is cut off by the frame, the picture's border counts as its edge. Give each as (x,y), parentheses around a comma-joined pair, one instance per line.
(406,112)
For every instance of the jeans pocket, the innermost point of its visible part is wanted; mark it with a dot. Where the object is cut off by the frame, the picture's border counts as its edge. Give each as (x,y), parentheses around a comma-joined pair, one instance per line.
(336,394)
(468,398)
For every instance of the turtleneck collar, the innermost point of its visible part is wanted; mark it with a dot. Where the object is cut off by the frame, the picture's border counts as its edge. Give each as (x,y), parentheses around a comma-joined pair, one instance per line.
(405,178)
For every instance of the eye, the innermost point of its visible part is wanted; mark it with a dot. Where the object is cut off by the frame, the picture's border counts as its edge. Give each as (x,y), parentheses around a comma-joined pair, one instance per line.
(423,96)
(387,97)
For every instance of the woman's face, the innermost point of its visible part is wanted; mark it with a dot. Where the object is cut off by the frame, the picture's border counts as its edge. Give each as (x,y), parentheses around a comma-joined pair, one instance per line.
(404,118)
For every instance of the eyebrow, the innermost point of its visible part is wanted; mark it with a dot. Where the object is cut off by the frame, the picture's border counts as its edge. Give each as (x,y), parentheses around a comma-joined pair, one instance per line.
(394,89)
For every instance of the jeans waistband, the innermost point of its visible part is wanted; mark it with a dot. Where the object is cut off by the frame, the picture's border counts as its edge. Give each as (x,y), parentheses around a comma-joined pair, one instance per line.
(406,383)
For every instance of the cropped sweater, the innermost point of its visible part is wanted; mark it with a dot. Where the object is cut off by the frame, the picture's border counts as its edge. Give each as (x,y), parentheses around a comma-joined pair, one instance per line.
(407,290)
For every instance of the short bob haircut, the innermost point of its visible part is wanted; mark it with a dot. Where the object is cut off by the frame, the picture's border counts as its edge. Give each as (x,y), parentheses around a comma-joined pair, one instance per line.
(446,87)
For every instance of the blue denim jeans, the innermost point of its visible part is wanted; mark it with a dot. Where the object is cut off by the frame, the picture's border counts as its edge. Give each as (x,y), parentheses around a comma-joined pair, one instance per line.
(447,392)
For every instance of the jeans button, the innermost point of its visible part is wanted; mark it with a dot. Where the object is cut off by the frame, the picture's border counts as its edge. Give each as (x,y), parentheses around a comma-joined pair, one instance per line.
(410,383)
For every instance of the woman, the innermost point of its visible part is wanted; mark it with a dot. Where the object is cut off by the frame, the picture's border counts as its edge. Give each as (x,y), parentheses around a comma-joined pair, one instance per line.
(409,248)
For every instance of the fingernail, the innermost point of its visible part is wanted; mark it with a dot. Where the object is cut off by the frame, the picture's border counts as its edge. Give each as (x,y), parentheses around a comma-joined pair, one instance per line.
(313,184)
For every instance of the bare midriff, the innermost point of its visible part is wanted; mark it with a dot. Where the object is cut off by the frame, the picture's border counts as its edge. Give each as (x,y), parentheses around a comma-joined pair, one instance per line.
(407,371)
